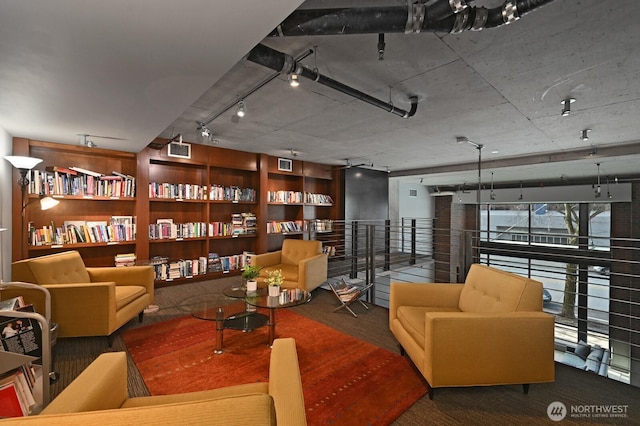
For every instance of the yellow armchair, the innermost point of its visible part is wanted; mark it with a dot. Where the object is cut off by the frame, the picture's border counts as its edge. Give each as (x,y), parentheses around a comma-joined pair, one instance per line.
(87,301)
(488,331)
(302,262)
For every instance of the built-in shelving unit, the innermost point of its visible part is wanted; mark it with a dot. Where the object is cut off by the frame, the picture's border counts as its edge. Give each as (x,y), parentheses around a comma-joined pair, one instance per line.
(218,203)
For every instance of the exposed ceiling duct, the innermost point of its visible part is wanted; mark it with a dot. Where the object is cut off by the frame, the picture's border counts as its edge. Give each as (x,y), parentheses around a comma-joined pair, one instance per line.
(285,64)
(438,16)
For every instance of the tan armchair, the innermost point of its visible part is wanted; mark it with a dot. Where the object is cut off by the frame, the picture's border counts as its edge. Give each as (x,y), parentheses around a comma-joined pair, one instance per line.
(87,301)
(488,331)
(302,262)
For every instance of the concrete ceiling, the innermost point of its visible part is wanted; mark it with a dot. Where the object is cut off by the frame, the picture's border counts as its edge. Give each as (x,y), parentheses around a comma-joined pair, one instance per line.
(138,70)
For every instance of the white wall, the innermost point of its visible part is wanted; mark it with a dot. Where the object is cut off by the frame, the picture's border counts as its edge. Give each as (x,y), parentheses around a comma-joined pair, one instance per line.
(6,181)
(403,205)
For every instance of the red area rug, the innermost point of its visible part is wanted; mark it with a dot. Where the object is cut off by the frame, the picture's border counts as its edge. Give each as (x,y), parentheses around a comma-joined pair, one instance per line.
(346,381)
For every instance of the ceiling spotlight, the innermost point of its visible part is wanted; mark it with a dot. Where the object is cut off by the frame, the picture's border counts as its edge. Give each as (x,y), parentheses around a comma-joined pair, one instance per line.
(566,106)
(86,142)
(205,132)
(293,80)
(242,109)
(598,190)
(585,135)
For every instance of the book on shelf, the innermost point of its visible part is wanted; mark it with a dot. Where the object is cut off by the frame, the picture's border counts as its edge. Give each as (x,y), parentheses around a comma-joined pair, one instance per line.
(85,171)
(125,259)
(11,401)
(59,169)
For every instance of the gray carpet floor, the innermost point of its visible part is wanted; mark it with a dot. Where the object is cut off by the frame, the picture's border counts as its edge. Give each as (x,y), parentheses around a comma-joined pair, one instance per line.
(496,405)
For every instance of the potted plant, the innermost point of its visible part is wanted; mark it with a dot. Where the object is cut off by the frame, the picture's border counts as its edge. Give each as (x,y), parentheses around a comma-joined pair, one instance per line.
(250,273)
(274,281)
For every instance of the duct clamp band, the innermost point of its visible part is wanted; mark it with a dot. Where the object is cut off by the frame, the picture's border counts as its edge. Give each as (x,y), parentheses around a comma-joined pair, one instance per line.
(416,13)
(510,12)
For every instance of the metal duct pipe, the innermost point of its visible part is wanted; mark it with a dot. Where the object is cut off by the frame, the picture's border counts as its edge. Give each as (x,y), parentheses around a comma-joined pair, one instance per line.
(285,64)
(440,16)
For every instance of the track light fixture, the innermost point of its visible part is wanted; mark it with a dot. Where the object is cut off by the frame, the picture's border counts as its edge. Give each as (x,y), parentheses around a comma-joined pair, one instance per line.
(241,110)
(205,131)
(566,106)
(492,194)
(598,189)
(293,80)
(585,135)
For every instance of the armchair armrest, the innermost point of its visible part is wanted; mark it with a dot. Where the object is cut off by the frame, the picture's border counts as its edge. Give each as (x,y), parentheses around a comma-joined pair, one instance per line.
(72,303)
(285,384)
(130,275)
(267,259)
(312,271)
(517,346)
(423,294)
(101,386)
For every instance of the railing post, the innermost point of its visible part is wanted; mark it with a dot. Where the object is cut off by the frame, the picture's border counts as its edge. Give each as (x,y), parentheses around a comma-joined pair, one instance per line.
(413,242)
(354,250)
(387,245)
(371,260)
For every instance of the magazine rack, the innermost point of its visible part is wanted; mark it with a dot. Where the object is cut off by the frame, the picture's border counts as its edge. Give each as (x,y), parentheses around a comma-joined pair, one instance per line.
(348,294)
(10,360)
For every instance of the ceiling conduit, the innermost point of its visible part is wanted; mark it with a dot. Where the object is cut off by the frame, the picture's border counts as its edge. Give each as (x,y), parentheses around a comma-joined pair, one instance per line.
(286,64)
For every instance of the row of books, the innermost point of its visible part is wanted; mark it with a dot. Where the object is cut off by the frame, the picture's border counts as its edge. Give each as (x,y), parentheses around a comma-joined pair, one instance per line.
(166,229)
(166,270)
(80,182)
(321,225)
(116,229)
(284,227)
(297,197)
(22,336)
(187,191)
(311,198)
(241,223)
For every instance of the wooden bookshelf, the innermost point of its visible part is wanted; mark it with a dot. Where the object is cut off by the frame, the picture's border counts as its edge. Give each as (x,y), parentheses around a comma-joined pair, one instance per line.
(206,190)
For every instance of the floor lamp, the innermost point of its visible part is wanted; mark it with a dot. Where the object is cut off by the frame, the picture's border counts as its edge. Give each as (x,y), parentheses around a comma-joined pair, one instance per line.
(24,164)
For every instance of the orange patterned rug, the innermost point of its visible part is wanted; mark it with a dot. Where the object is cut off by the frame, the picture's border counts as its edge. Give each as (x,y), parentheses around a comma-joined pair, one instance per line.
(346,381)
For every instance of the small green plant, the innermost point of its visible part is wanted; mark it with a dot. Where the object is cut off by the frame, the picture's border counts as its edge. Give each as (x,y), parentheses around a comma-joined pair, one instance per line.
(250,272)
(275,277)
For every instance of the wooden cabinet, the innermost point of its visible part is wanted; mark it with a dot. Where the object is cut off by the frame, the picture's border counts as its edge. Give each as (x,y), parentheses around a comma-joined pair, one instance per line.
(217,204)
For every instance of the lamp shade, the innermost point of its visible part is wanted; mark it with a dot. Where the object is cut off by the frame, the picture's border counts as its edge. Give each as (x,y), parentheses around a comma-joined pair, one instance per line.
(47,202)
(21,162)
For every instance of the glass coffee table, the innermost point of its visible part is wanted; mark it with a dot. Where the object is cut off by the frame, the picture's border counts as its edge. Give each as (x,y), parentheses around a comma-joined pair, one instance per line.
(261,299)
(233,316)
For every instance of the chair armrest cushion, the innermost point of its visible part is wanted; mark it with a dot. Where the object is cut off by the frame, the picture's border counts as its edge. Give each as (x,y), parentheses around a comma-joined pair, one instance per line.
(422,294)
(130,275)
(101,386)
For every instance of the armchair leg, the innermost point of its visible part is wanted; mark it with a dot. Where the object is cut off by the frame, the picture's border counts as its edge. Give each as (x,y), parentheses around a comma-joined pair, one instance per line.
(110,340)
(140,316)
(525,388)
(431,391)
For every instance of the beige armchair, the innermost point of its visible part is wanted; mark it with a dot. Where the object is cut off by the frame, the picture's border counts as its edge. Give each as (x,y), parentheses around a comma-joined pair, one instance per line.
(488,331)
(98,396)
(302,262)
(86,301)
